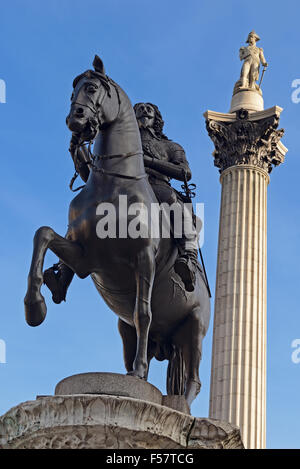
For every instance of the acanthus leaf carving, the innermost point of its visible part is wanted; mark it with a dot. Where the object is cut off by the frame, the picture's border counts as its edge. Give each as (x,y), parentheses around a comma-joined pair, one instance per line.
(246,142)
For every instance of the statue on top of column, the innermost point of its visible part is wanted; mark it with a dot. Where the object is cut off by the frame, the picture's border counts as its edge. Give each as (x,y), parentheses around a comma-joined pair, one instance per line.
(252,57)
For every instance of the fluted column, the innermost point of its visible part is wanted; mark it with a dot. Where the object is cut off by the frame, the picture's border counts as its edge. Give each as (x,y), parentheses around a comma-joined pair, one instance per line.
(239,360)
(247,147)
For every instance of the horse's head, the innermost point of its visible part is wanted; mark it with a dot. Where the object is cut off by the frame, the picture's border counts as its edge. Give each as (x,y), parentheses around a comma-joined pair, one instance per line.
(94,102)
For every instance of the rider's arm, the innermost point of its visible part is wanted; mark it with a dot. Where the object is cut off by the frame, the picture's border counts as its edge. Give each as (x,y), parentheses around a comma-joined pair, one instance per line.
(164,167)
(175,167)
(262,57)
(178,158)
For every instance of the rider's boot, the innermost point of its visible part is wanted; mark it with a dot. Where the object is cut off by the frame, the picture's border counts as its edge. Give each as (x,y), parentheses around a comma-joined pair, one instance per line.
(185,266)
(58,279)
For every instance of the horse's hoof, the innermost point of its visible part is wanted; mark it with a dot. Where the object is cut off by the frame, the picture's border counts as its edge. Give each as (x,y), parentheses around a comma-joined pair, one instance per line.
(193,388)
(35,312)
(136,375)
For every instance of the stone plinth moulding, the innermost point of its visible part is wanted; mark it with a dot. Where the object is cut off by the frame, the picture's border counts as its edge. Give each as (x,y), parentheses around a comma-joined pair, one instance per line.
(103,421)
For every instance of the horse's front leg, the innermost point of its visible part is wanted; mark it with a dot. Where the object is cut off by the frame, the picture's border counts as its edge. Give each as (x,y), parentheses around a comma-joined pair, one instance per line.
(69,251)
(145,271)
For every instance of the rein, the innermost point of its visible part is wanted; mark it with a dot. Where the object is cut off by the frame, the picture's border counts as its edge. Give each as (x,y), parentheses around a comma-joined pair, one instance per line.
(112,173)
(103,171)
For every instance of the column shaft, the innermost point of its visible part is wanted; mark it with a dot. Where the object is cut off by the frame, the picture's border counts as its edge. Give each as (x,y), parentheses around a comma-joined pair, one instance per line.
(238,378)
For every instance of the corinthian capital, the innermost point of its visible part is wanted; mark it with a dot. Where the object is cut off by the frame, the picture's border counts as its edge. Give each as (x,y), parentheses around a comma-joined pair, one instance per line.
(244,138)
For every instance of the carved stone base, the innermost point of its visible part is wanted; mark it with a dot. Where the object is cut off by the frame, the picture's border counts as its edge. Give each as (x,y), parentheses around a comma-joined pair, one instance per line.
(110,422)
(111,411)
(116,384)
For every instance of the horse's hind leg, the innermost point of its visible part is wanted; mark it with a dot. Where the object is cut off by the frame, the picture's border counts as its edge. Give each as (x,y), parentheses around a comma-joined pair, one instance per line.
(190,337)
(69,251)
(145,271)
(129,339)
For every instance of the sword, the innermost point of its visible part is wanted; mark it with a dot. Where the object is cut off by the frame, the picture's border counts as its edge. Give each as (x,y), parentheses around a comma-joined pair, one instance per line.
(264,69)
(189,194)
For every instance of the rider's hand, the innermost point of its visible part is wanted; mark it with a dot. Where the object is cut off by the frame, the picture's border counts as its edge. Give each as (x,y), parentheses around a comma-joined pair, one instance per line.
(148,161)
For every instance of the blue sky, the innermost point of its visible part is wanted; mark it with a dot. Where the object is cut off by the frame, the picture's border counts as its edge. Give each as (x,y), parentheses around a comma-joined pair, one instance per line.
(182,56)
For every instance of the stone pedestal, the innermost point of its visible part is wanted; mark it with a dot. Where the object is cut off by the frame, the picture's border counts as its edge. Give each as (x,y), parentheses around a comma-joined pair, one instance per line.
(103,421)
(247,146)
(248,99)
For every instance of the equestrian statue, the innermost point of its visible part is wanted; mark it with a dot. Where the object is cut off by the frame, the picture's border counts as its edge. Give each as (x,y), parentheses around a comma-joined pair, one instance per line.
(154,284)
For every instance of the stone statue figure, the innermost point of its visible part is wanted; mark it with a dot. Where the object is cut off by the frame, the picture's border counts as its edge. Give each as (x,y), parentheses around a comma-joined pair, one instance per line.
(252,57)
(136,277)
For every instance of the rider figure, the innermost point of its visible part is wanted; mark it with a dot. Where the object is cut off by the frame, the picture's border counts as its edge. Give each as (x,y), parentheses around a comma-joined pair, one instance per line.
(163,161)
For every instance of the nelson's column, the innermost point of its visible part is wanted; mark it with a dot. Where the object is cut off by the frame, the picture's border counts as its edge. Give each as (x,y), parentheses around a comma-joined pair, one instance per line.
(247,147)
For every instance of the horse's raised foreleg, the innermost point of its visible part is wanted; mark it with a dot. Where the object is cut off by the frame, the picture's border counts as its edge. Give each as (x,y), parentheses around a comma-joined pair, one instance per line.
(145,271)
(69,251)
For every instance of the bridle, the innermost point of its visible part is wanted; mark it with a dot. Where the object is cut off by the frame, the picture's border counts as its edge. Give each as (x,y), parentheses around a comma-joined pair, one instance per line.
(95,121)
(94,111)
(97,124)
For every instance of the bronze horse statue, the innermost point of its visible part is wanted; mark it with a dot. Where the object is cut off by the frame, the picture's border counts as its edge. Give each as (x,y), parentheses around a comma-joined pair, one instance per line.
(135,277)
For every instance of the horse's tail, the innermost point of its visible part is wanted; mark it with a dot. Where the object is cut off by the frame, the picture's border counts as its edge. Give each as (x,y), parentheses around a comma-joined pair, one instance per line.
(176,376)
